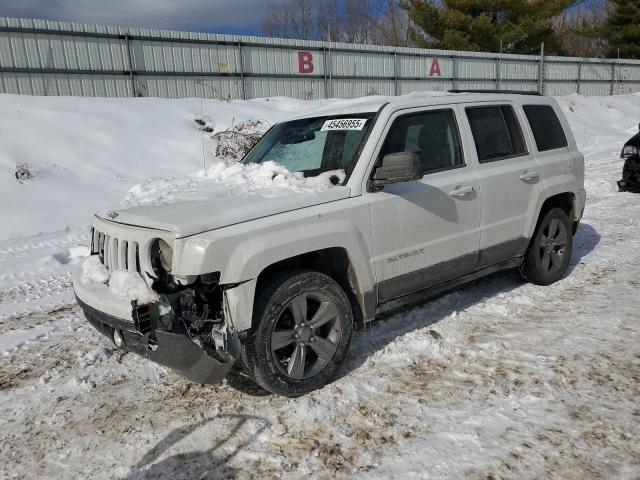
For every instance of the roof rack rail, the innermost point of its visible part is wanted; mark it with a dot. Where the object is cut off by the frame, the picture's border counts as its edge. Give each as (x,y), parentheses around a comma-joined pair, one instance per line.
(510,92)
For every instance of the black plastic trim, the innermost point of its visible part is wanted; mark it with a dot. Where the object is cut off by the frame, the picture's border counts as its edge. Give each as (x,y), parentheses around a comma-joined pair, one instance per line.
(417,280)
(430,292)
(174,350)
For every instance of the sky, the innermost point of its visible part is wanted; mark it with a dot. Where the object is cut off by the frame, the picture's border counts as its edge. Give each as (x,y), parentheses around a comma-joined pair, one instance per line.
(215,16)
(218,16)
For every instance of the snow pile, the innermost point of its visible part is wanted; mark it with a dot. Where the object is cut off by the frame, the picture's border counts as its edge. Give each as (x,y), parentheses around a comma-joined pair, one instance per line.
(93,271)
(131,286)
(268,179)
(269,176)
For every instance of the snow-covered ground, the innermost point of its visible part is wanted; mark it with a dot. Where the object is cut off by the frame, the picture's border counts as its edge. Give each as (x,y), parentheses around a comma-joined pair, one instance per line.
(500,379)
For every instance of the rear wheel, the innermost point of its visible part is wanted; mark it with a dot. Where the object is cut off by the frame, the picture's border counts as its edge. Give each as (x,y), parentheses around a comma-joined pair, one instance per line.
(547,258)
(303,329)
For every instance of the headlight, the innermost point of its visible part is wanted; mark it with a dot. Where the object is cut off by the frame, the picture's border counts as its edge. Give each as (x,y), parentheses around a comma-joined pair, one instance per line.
(161,256)
(629,151)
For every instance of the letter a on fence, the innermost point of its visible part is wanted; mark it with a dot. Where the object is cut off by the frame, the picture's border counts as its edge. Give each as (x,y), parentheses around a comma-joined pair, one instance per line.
(305,62)
(435,68)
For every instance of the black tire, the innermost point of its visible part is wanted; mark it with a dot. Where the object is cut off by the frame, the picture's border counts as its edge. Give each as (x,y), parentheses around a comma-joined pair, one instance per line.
(302,356)
(549,252)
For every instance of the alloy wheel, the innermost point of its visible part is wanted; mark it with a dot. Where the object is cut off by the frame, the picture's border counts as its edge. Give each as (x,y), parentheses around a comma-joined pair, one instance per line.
(306,335)
(553,246)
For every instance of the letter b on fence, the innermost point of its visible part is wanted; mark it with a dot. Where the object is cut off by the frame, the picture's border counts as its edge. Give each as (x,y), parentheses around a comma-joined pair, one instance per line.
(305,62)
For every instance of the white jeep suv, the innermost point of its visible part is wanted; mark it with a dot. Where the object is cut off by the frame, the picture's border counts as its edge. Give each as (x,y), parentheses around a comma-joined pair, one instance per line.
(434,191)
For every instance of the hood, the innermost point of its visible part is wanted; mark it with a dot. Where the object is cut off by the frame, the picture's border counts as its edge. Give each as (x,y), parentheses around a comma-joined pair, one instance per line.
(220,207)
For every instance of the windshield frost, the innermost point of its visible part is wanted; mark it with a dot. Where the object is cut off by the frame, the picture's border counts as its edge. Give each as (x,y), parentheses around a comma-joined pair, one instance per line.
(313,145)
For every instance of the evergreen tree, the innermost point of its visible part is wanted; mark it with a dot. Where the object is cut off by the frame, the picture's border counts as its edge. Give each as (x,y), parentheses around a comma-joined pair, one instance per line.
(480,25)
(623,29)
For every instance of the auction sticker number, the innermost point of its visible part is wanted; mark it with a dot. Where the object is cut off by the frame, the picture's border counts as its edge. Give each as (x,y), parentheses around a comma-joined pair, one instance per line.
(344,124)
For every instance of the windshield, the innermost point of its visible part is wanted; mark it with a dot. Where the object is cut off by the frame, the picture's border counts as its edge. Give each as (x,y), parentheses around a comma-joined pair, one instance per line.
(314,145)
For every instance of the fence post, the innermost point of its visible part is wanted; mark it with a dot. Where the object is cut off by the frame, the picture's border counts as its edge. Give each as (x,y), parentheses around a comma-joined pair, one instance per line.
(324,63)
(395,73)
(243,93)
(134,92)
(579,77)
(455,71)
(499,68)
(541,71)
(330,66)
(613,77)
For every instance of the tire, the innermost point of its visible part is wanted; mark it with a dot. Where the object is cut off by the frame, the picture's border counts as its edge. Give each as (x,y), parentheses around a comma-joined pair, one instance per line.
(312,317)
(549,252)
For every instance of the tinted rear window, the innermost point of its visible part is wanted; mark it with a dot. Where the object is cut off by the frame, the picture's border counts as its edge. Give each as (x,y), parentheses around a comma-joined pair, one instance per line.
(546,127)
(496,132)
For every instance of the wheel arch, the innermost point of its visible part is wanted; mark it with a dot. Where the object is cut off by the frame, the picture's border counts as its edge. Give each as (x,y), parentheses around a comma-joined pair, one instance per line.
(566,200)
(334,262)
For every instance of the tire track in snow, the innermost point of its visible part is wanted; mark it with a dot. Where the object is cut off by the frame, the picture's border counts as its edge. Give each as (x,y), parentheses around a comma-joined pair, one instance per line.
(36,274)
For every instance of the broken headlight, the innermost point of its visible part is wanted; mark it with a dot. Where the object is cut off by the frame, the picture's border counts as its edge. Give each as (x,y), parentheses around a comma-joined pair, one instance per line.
(161,257)
(629,151)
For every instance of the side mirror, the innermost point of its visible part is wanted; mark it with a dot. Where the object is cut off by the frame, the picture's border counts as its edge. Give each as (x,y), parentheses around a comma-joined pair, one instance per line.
(398,167)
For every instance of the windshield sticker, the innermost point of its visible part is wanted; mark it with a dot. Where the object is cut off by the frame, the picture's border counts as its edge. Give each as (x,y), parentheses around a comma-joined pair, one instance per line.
(344,124)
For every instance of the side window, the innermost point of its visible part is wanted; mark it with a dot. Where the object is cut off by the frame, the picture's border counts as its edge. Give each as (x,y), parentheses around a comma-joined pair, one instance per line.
(546,127)
(496,132)
(433,135)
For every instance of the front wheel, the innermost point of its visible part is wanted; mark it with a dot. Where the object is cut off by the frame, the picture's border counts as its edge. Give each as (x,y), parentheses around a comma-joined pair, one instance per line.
(303,325)
(547,258)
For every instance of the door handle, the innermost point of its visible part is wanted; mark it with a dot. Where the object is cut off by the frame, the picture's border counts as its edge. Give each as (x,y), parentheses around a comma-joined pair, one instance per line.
(460,192)
(529,176)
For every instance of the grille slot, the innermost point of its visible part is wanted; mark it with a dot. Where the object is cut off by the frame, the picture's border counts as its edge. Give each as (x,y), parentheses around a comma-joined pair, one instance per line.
(116,253)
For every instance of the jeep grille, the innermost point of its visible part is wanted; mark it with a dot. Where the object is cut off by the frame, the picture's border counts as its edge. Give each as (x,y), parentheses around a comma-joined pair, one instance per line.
(115,253)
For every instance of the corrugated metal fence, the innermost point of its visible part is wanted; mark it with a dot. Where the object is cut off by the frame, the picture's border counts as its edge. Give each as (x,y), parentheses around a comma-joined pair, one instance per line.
(40,57)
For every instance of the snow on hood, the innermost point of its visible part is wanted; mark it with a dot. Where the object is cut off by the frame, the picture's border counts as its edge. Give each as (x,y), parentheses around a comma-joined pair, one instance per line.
(224,194)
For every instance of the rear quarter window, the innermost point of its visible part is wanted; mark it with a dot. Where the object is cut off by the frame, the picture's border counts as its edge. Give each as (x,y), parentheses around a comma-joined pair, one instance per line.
(546,127)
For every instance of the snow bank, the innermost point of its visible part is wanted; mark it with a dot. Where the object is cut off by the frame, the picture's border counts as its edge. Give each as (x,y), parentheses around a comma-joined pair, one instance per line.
(93,271)
(86,153)
(131,286)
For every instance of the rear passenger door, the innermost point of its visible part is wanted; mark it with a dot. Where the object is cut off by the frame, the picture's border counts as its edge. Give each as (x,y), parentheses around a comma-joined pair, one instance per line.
(508,176)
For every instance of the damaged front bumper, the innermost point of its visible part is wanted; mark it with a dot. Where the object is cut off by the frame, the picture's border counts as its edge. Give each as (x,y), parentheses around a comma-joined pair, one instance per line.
(144,335)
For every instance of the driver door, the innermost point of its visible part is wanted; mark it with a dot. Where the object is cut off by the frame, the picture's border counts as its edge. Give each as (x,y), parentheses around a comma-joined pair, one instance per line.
(425,232)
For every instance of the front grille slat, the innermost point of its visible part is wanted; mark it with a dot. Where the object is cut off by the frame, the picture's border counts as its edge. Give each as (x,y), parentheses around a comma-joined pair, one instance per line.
(94,240)
(133,253)
(101,246)
(116,253)
(113,255)
(106,251)
(122,255)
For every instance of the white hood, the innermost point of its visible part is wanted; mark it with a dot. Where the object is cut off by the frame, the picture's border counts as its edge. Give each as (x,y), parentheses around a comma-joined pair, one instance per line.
(218,207)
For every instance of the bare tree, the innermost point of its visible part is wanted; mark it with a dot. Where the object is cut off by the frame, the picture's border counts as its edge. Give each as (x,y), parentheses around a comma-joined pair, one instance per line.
(352,21)
(328,21)
(294,19)
(358,21)
(581,31)
(393,26)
